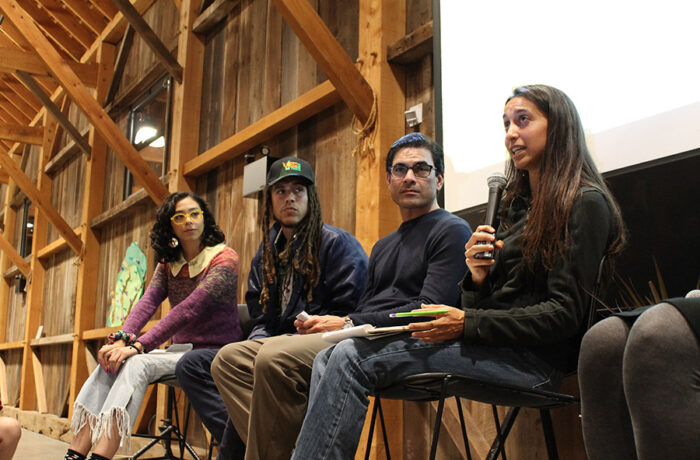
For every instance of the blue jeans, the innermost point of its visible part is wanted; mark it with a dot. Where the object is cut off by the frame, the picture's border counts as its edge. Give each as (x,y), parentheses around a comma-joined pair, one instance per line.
(345,375)
(194,374)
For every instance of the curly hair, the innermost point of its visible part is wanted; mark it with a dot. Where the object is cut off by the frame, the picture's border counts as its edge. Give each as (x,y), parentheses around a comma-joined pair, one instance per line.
(566,166)
(304,259)
(162,231)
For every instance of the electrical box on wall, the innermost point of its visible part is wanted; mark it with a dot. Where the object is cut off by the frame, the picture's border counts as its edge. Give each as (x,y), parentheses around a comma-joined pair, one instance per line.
(254,176)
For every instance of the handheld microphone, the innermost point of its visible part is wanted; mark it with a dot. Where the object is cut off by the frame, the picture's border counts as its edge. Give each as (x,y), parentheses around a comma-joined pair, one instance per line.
(496,181)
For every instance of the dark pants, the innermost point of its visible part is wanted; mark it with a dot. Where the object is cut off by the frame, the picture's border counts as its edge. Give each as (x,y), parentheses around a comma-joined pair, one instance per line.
(194,375)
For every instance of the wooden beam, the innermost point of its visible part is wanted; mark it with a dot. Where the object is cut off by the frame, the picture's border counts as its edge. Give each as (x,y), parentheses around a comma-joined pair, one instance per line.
(42,202)
(106,7)
(329,54)
(187,98)
(82,97)
(66,154)
(54,32)
(94,19)
(39,384)
(413,46)
(31,84)
(150,38)
(53,340)
(120,65)
(376,215)
(17,345)
(12,60)
(93,192)
(20,133)
(213,15)
(70,22)
(12,253)
(56,246)
(305,106)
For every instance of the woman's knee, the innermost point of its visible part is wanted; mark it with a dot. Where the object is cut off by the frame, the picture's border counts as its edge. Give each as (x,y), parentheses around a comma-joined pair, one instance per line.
(10,430)
(603,346)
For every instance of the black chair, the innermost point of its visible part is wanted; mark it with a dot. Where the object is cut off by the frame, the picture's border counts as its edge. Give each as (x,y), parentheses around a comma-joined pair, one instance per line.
(437,386)
(172,432)
(170,429)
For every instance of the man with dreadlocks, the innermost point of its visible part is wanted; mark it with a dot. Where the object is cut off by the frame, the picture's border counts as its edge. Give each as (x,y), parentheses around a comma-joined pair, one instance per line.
(303,265)
(421,262)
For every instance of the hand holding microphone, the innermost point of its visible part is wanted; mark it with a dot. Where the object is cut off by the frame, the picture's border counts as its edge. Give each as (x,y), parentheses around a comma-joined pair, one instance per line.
(496,182)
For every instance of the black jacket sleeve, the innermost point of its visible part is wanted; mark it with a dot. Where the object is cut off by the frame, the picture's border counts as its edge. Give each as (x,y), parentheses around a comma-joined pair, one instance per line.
(560,315)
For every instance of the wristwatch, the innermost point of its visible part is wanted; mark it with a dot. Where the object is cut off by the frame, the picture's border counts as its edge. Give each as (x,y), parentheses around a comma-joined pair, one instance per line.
(347,322)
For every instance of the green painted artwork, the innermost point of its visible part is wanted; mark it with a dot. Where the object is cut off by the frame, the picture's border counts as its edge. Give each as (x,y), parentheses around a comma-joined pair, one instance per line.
(129,287)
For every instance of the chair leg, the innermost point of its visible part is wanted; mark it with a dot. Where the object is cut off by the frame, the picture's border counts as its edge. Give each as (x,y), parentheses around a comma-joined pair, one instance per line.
(548,430)
(383,425)
(370,435)
(498,446)
(464,428)
(438,418)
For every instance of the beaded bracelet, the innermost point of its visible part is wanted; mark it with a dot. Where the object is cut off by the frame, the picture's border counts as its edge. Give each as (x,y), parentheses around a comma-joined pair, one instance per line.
(121,335)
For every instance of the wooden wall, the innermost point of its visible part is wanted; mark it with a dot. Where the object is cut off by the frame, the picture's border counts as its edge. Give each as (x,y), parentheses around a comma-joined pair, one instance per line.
(246,79)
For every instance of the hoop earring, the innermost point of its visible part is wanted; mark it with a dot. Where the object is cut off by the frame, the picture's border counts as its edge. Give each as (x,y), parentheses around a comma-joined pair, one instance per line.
(173,243)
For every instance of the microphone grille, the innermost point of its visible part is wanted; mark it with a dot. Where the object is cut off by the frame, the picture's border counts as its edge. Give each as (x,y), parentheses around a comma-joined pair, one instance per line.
(496,179)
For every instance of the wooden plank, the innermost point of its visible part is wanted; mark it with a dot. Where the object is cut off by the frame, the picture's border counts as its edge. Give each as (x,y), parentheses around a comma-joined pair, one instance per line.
(39,385)
(213,15)
(135,200)
(21,91)
(12,60)
(26,109)
(21,133)
(66,154)
(150,38)
(90,16)
(69,22)
(413,46)
(55,33)
(11,272)
(329,54)
(287,116)
(12,253)
(187,98)
(12,345)
(31,84)
(120,64)
(54,340)
(82,97)
(106,7)
(56,246)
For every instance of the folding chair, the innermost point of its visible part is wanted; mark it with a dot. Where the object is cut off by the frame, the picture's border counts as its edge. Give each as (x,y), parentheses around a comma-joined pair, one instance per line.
(437,386)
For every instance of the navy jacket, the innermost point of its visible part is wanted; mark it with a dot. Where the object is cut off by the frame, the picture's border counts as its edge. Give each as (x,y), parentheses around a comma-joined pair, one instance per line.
(343,276)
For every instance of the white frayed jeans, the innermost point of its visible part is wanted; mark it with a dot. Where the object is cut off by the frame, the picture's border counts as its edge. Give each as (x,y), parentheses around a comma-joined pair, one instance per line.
(105,399)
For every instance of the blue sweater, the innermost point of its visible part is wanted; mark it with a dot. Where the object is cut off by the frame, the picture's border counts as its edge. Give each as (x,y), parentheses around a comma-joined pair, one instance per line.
(421,262)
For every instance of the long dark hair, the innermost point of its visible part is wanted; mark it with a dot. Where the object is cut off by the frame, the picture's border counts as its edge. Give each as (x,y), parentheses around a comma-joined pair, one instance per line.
(162,231)
(565,167)
(305,258)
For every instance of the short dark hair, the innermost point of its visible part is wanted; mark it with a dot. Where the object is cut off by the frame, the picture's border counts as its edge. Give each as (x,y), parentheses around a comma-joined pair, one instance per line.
(419,141)
(162,231)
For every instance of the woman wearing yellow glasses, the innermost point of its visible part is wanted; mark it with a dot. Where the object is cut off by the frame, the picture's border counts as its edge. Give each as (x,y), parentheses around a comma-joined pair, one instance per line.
(198,273)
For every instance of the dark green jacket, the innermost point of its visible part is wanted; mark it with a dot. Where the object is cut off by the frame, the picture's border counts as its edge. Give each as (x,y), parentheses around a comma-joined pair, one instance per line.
(544,311)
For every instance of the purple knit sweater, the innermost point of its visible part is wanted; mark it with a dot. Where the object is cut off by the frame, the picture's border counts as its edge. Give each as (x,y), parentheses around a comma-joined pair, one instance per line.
(204,308)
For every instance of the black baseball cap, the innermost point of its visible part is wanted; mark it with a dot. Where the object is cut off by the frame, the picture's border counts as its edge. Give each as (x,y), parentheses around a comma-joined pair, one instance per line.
(289,167)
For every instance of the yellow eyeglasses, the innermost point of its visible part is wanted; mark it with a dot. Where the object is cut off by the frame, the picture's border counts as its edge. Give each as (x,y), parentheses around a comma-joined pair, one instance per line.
(180,218)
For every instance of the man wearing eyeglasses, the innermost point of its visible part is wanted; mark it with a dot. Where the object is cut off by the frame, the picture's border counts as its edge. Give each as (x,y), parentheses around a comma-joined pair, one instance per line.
(421,262)
(302,265)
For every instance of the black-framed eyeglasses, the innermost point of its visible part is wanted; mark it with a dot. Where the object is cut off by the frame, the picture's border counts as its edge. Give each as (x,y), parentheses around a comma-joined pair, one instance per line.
(181,217)
(420,169)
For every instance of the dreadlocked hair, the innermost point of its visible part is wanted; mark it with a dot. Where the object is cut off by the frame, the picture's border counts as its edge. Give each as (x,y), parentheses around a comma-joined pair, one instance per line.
(566,165)
(304,259)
